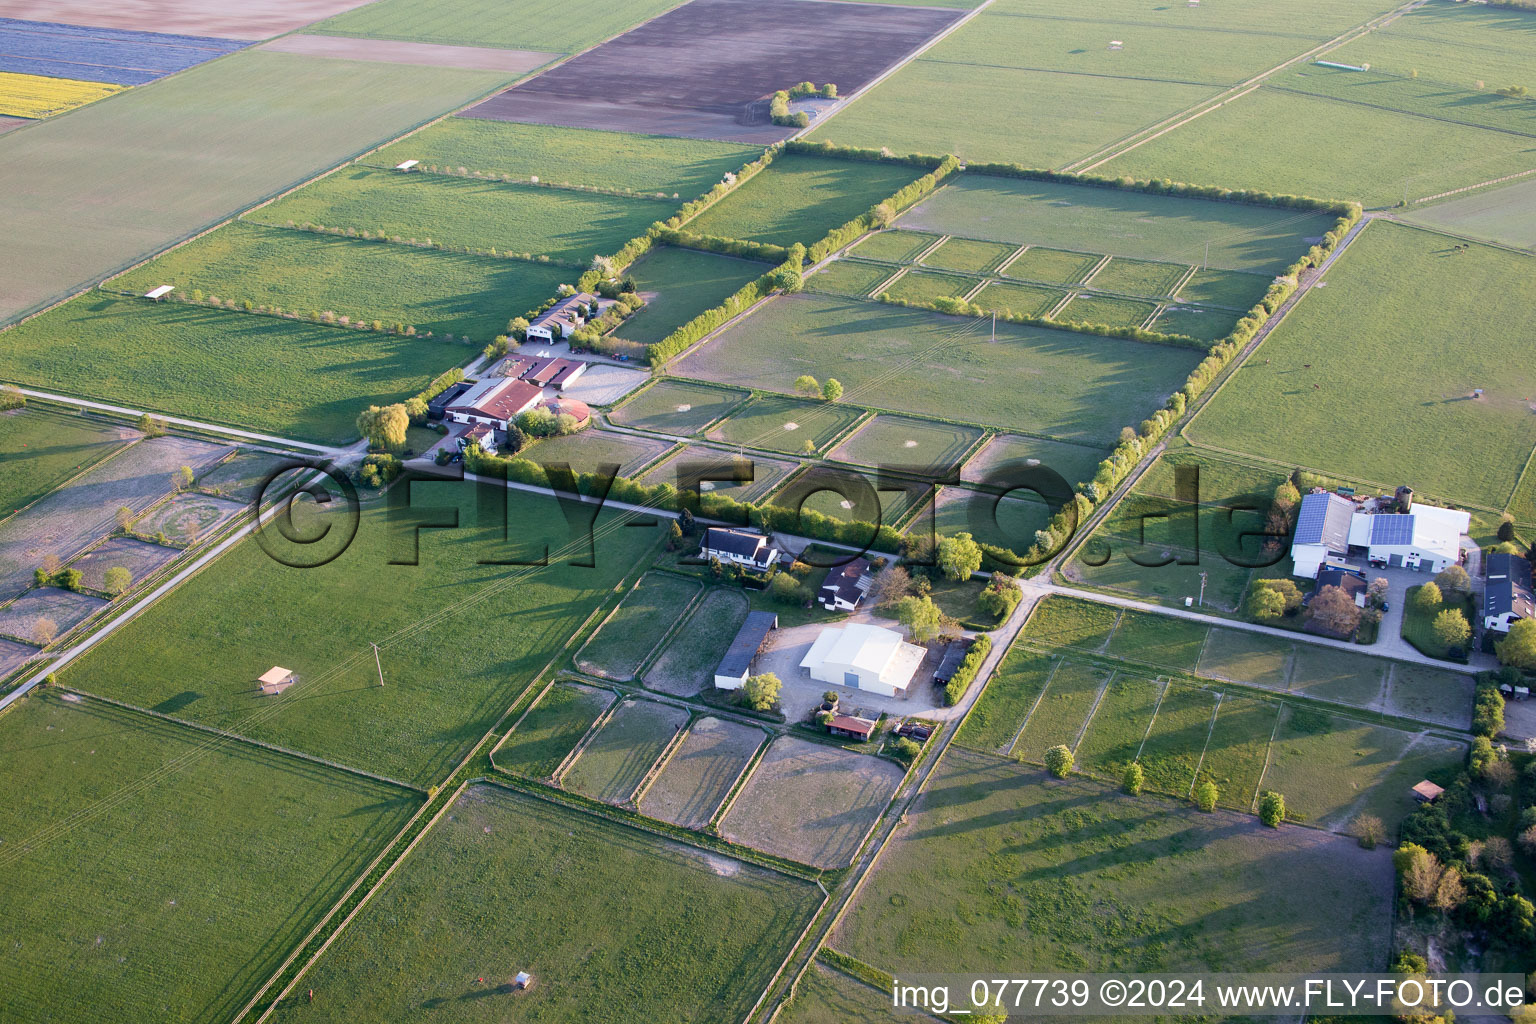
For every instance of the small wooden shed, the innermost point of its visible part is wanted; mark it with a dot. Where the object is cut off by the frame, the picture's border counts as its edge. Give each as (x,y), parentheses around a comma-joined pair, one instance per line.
(277,679)
(523,981)
(1427,792)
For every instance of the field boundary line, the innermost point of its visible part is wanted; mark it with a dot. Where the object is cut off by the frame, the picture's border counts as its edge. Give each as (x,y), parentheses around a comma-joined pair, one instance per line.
(729,800)
(901,272)
(592,730)
(747,766)
(929,249)
(968,296)
(1008,261)
(1183,282)
(122,445)
(1167,685)
(1008,750)
(1098,699)
(1115,155)
(1280,712)
(676,627)
(491,754)
(679,736)
(1055,310)
(1087,281)
(1215,708)
(1406,113)
(1481,184)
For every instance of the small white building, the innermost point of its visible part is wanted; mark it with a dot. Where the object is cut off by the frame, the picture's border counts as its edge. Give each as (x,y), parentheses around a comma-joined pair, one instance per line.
(1322,532)
(276,679)
(863,656)
(743,547)
(562,319)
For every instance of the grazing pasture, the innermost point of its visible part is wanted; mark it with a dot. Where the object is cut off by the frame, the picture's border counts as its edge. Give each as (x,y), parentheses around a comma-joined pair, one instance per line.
(1032,378)
(701,772)
(678,285)
(679,168)
(707,931)
(293,379)
(969,255)
(1050,266)
(1232,289)
(616,759)
(1080,878)
(441,292)
(627,638)
(438,699)
(811,802)
(800,197)
(825,996)
(853,278)
(1448,43)
(1204,324)
(1017,299)
(1007,457)
(1503,214)
(900,441)
(1460,103)
(240,477)
(1005,522)
(782,424)
(717,469)
(1462,326)
(1072,622)
(923,287)
(566,226)
(64,608)
(175,859)
(227,133)
(1106,309)
(1158,640)
(551,729)
(1118,728)
(688,663)
(677,407)
(896,245)
(1138,277)
(187,518)
(589,449)
(1062,711)
(40,96)
(43,448)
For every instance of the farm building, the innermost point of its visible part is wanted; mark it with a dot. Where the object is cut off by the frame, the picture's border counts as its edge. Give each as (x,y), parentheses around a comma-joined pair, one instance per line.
(554,373)
(439,405)
(495,402)
(851,727)
(845,588)
(1427,792)
(1322,531)
(1331,526)
(1508,595)
(954,654)
(865,657)
(1351,581)
(277,679)
(743,547)
(481,435)
(575,408)
(562,319)
(736,666)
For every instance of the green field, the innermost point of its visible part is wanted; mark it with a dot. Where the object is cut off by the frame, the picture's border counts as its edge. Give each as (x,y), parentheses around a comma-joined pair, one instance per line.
(1158,640)
(636,628)
(799,198)
(687,664)
(1177,738)
(898,441)
(969,255)
(551,729)
(895,245)
(781,424)
(588,449)
(566,226)
(1461,103)
(1034,118)
(1451,43)
(853,278)
(1205,324)
(718,468)
(1244,657)
(995,719)
(1051,266)
(667,932)
(197,652)
(1462,326)
(1319,20)
(1119,726)
(1233,289)
(825,996)
(1070,876)
(564,25)
(206,862)
(679,168)
(1006,522)
(1017,299)
(678,285)
(466,296)
(1500,215)
(263,373)
(1072,622)
(1031,378)
(1138,277)
(1236,748)
(1106,309)
(1007,457)
(1062,712)
(1120,222)
(226,134)
(924,287)
(617,758)
(1288,142)
(44,448)
(1330,674)
(677,407)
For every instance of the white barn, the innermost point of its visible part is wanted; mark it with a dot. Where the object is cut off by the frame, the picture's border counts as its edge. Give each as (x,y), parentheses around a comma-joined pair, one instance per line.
(1322,532)
(1427,538)
(865,657)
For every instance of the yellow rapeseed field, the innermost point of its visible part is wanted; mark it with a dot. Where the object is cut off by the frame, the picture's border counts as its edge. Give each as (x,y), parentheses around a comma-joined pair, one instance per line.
(36,96)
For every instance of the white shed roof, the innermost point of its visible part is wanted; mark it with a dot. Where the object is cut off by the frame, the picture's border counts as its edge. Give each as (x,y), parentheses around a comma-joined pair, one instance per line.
(161,292)
(865,648)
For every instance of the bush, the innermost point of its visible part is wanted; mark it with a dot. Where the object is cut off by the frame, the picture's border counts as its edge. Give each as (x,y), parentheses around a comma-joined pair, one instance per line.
(906,749)
(1133,779)
(1059,761)
(961,680)
(786,589)
(1206,795)
(762,692)
(11,398)
(1271,808)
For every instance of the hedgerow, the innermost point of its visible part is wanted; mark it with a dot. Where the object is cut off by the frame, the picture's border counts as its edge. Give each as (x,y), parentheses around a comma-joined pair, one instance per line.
(786,277)
(966,673)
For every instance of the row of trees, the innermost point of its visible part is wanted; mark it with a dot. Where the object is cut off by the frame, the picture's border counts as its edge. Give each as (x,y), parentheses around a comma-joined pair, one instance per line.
(1059,761)
(808,386)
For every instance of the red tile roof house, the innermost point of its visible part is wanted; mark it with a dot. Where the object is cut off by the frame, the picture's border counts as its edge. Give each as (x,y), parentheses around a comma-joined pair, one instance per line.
(494,402)
(562,319)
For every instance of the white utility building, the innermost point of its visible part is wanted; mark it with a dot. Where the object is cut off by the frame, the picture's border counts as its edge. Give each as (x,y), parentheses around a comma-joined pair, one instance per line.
(866,657)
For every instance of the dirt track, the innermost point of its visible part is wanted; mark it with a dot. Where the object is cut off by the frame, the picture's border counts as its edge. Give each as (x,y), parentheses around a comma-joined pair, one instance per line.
(702,70)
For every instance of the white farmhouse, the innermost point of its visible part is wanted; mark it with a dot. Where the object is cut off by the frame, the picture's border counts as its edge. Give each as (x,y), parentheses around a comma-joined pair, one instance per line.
(743,547)
(562,319)
(865,657)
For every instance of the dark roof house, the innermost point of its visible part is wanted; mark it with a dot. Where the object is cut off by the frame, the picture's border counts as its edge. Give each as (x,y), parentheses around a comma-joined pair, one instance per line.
(844,588)
(954,654)
(732,671)
(1508,595)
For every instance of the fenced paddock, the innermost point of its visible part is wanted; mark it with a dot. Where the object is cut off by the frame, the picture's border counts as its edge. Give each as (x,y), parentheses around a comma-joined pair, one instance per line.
(637,626)
(550,730)
(687,665)
(616,759)
(700,773)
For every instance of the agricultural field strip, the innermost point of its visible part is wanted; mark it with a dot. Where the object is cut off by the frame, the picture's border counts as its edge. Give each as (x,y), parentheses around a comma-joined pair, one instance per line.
(1424,115)
(996,276)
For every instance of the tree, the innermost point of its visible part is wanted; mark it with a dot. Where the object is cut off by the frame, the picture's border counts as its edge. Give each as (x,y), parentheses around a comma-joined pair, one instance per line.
(891,585)
(685,520)
(1059,761)
(124,517)
(1451,629)
(921,617)
(906,749)
(384,427)
(1206,795)
(116,580)
(674,536)
(762,692)
(44,630)
(1528,841)
(150,426)
(1420,870)
(1264,604)
(1507,527)
(1454,578)
(832,390)
(1428,597)
(182,478)
(1369,830)
(1000,597)
(1519,647)
(1335,611)
(807,385)
(11,398)
(1449,893)
(1271,808)
(786,589)
(1377,591)
(1133,779)
(959,556)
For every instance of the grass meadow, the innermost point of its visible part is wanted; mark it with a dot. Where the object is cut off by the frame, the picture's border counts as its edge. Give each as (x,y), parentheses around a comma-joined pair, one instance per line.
(1106,309)
(799,198)
(1035,379)
(1461,326)
(613,763)
(925,286)
(1006,522)
(782,424)
(1068,875)
(687,663)
(551,729)
(717,470)
(1506,214)
(668,932)
(566,226)
(1139,277)
(900,441)
(1319,20)
(1235,290)
(1051,266)
(677,407)
(589,449)
(1205,324)
(1450,43)
(627,638)
(292,379)
(1019,299)
(895,245)
(438,699)
(563,25)
(853,278)
(1460,103)
(969,255)
(44,448)
(442,292)
(1006,459)
(679,168)
(678,285)
(152,874)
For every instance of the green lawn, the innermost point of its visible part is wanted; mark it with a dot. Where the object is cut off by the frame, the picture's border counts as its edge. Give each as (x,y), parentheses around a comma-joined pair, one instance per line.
(564,25)
(678,285)
(1106,309)
(636,628)
(1305,145)
(716,471)
(551,729)
(1008,457)
(687,664)
(1236,748)
(853,278)
(590,448)
(783,424)
(1018,299)
(1051,266)
(466,296)
(566,226)
(1502,214)
(899,441)
(1177,737)
(1006,702)
(1331,674)
(679,168)
(43,448)
(1071,622)
(263,373)
(152,875)
(1418,622)
(969,255)
(677,407)
(1032,378)
(667,932)
(1234,289)
(1139,277)
(1069,876)
(1205,324)
(611,766)
(1158,640)
(1138,225)
(799,198)
(197,652)
(1119,726)
(84,196)
(1243,657)
(1063,711)
(895,245)
(924,287)
(1462,326)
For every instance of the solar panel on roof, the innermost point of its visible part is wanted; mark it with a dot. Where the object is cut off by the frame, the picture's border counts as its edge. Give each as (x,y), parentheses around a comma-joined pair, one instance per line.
(1392,529)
